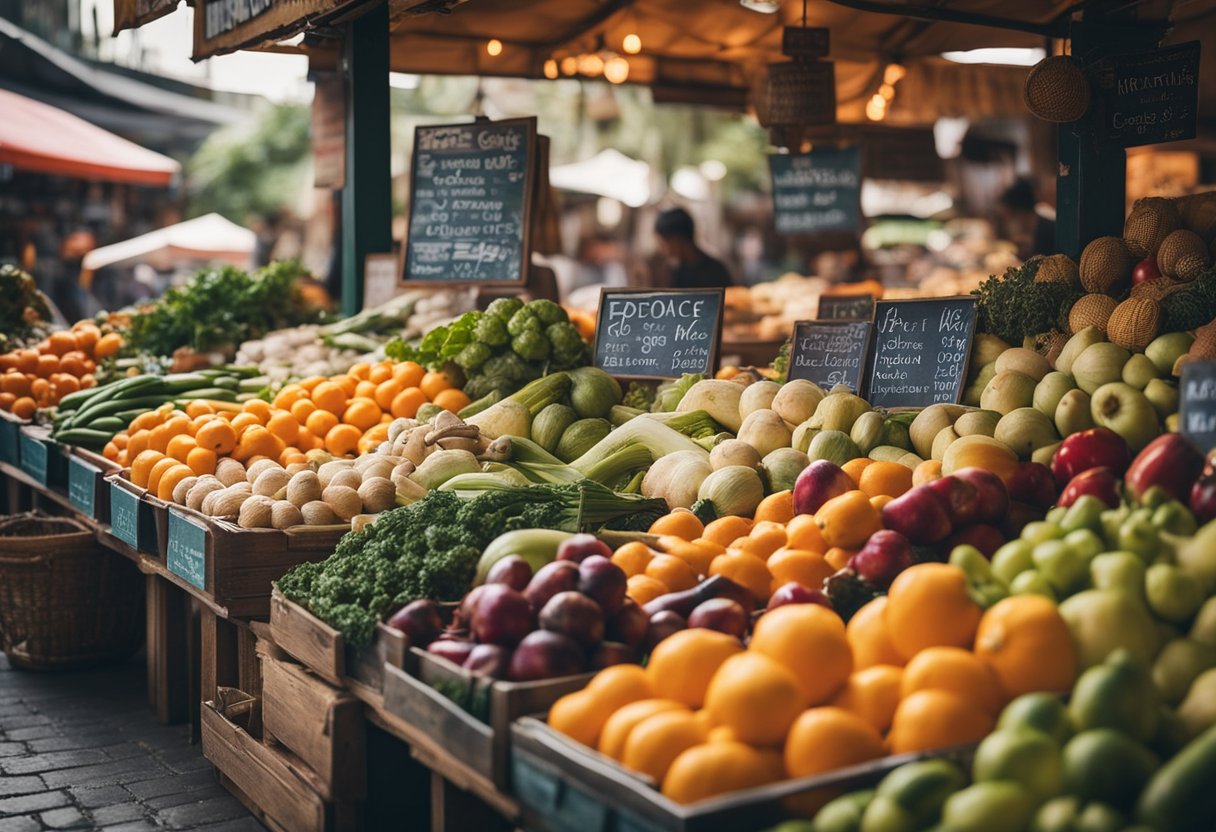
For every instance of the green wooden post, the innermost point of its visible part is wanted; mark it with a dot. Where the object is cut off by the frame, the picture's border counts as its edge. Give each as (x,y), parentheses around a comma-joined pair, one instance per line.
(367,202)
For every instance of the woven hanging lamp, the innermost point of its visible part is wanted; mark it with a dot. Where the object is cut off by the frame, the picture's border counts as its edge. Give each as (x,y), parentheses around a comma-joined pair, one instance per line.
(800,92)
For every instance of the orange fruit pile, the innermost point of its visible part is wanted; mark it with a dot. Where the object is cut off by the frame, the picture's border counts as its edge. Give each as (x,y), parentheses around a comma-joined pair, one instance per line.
(63,363)
(346,415)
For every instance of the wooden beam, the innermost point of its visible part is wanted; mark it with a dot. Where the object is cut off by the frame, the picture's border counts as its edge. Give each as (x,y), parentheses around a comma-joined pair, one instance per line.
(1053,29)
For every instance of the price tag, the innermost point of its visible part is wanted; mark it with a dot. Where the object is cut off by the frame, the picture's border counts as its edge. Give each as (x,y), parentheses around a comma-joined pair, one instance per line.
(662,333)
(82,486)
(1150,97)
(830,352)
(34,458)
(921,350)
(124,515)
(187,552)
(845,308)
(1197,403)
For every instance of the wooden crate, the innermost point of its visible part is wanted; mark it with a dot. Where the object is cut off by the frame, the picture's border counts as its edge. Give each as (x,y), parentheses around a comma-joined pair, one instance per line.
(482,746)
(42,458)
(234,568)
(563,786)
(321,724)
(87,488)
(276,785)
(131,516)
(324,651)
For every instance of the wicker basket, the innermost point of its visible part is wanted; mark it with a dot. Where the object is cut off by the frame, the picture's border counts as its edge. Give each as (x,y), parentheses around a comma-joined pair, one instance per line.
(65,601)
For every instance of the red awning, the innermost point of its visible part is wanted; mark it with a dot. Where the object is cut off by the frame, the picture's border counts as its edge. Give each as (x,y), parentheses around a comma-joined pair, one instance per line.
(44,139)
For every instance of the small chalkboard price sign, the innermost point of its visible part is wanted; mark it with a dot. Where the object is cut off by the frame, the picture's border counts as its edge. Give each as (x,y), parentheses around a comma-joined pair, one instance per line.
(920,352)
(1197,403)
(845,307)
(830,352)
(1149,97)
(658,333)
(471,194)
(816,191)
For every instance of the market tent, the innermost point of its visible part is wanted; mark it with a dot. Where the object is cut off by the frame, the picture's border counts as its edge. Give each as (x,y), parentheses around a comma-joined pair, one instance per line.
(41,138)
(209,237)
(609,173)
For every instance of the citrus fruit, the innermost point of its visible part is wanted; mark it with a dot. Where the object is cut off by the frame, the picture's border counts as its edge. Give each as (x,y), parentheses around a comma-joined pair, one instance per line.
(930,719)
(682,665)
(872,693)
(824,739)
(810,641)
(616,728)
(955,670)
(848,520)
(756,697)
(1022,755)
(1000,806)
(928,606)
(657,740)
(868,636)
(582,714)
(1026,642)
(718,768)
(682,523)
(1042,712)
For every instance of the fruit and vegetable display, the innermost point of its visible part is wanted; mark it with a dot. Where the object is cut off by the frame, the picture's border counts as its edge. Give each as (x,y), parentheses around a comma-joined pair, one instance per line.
(62,363)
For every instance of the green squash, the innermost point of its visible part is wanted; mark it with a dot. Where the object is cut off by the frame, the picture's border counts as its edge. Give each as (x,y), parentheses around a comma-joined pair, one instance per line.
(551,423)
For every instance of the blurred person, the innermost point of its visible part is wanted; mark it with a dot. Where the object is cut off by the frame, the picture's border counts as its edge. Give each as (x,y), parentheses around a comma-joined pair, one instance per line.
(1021,223)
(691,267)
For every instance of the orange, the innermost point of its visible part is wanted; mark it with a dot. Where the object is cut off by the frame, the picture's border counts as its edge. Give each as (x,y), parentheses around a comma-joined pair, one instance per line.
(616,729)
(756,696)
(259,408)
(680,523)
(799,566)
(201,461)
(342,440)
(633,557)
(243,421)
(803,533)
(180,446)
(107,346)
(697,555)
(409,373)
(198,407)
(656,741)
(159,469)
(170,479)
(957,671)
(433,384)
(110,451)
(453,399)
(257,441)
(709,547)
(872,694)
(289,395)
(406,403)
(767,537)
(930,719)
(927,471)
(868,636)
(38,389)
(717,768)
(15,383)
(198,421)
(61,343)
(854,468)
(880,501)
(928,606)
(887,479)
(330,397)
(675,574)
(810,641)
(283,425)
(746,570)
(1027,644)
(848,520)
(360,370)
(681,665)
(838,557)
(137,443)
(312,382)
(48,365)
(582,714)
(146,421)
(302,409)
(306,440)
(777,507)
(643,589)
(365,390)
(217,435)
(290,456)
(386,391)
(348,384)
(726,530)
(361,413)
(141,466)
(825,739)
(319,422)
(380,372)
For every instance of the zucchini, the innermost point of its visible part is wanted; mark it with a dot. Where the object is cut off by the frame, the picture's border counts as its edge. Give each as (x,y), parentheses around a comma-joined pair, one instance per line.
(85,438)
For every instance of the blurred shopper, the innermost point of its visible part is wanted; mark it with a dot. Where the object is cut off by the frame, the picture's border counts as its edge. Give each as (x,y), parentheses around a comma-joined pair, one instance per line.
(691,267)
(1022,224)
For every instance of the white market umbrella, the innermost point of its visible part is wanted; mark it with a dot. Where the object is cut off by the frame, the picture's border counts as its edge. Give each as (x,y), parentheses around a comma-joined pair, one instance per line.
(209,237)
(609,173)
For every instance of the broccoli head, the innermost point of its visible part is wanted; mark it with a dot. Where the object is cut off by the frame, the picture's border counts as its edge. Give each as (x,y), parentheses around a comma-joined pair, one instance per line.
(504,308)
(524,320)
(508,366)
(567,344)
(492,330)
(548,311)
(531,345)
(474,355)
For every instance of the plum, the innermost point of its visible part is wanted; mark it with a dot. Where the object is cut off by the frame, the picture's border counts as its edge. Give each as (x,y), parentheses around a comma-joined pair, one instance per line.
(610,653)
(419,620)
(796,593)
(662,624)
(454,650)
(604,582)
(550,579)
(464,613)
(513,571)
(489,660)
(628,625)
(582,546)
(717,586)
(502,616)
(545,655)
(575,615)
(721,614)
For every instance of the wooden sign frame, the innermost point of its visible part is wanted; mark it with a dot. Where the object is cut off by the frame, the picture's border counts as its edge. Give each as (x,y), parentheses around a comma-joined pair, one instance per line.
(531,179)
(715,348)
(965,369)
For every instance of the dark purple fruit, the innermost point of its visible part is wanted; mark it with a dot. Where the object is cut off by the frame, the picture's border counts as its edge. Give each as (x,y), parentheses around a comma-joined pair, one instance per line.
(513,571)
(545,655)
(454,650)
(662,624)
(796,593)
(610,653)
(628,625)
(489,660)
(550,579)
(582,546)
(419,620)
(604,582)
(575,615)
(721,614)
(502,616)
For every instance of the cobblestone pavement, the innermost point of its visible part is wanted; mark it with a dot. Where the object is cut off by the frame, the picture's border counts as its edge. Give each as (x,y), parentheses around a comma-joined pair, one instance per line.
(81,750)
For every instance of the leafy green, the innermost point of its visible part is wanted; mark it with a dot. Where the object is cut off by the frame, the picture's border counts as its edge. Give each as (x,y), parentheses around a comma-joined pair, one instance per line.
(547,311)
(21,305)
(781,364)
(640,395)
(1014,305)
(504,308)
(531,345)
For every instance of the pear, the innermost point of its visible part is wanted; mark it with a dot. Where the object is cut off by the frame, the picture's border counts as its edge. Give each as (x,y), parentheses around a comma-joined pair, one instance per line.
(927,424)
(1076,345)
(838,411)
(1139,371)
(1198,710)
(986,349)
(1166,349)
(1050,389)
(1024,361)
(1099,364)
(1178,664)
(1073,413)
(1007,392)
(945,437)
(1203,629)
(1044,454)
(981,422)
(1126,411)
(1163,396)
(1025,430)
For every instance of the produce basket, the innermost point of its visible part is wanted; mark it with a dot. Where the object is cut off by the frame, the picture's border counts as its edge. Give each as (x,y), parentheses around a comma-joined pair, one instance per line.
(65,601)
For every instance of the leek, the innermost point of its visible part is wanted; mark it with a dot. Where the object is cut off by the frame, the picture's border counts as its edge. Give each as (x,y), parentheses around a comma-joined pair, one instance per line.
(658,439)
(617,466)
(544,391)
(695,424)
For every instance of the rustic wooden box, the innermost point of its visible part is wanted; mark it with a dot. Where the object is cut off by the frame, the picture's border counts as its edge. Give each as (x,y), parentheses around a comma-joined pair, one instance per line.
(41,458)
(482,746)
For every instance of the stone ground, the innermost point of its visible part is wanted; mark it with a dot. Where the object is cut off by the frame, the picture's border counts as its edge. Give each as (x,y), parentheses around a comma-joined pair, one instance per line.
(81,750)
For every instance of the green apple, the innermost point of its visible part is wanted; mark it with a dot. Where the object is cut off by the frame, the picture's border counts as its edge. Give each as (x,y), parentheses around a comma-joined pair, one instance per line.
(1037,531)
(1064,569)
(1100,363)
(1085,543)
(1139,536)
(1175,518)
(1139,371)
(1076,345)
(1163,396)
(1025,756)
(1039,711)
(1044,454)
(1055,514)
(1085,513)
(994,806)
(1179,664)
(1112,521)
(1012,559)
(1154,497)
(1119,570)
(1073,413)
(1031,582)
(1172,594)
(1126,411)
(1050,389)
(1057,815)
(1165,350)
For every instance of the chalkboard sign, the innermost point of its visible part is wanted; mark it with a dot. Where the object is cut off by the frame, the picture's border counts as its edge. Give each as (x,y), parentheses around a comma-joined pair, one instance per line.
(187,550)
(658,333)
(1197,403)
(471,188)
(82,486)
(817,191)
(34,458)
(830,352)
(846,307)
(10,433)
(920,353)
(1149,97)
(124,515)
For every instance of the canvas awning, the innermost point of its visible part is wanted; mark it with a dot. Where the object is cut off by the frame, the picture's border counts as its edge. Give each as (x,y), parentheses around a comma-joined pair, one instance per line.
(44,139)
(210,237)
(609,173)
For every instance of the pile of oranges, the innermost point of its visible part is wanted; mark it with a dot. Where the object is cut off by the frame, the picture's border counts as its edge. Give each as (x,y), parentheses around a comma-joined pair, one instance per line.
(346,415)
(63,363)
(919,669)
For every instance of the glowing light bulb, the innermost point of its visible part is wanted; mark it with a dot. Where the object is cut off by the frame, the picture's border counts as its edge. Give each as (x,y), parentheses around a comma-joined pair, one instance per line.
(569,65)
(551,69)
(632,44)
(893,74)
(591,65)
(494,47)
(875,112)
(887,92)
(616,70)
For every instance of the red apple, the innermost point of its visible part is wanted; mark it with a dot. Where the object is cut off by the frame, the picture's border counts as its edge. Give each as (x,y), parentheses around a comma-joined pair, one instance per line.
(796,593)
(885,555)
(582,546)
(1171,461)
(1093,448)
(1032,482)
(819,482)
(918,515)
(1145,271)
(982,536)
(1102,483)
(1203,496)
(958,497)
(991,494)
